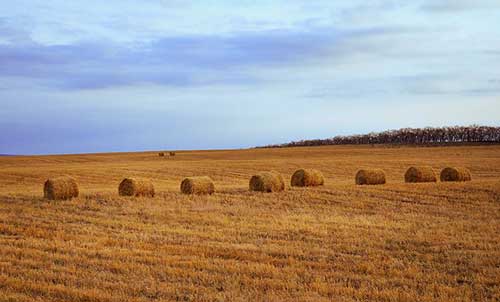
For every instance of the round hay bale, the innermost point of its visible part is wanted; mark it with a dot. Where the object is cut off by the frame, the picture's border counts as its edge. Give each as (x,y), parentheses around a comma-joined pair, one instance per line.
(161,154)
(370,177)
(198,185)
(420,174)
(455,174)
(270,181)
(60,188)
(136,187)
(307,178)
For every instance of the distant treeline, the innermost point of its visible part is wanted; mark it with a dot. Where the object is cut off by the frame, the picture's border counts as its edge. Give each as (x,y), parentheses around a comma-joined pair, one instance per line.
(410,136)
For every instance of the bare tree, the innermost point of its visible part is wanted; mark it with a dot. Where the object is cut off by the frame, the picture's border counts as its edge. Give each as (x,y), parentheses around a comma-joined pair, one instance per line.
(410,136)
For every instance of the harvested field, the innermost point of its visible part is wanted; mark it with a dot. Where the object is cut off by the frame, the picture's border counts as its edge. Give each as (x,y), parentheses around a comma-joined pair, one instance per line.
(338,242)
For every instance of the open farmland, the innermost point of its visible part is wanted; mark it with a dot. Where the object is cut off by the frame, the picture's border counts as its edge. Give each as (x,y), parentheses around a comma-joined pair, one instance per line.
(338,242)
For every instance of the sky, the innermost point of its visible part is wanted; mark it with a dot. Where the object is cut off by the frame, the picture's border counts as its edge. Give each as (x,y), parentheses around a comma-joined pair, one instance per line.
(130,75)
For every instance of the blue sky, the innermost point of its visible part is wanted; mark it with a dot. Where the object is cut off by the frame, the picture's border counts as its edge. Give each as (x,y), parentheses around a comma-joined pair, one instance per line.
(97,76)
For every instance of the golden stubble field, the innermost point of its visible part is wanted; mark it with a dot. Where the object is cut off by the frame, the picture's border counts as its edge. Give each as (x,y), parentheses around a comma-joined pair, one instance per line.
(340,242)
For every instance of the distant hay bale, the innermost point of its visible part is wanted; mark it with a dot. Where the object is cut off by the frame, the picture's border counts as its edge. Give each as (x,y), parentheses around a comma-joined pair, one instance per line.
(198,185)
(420,174)
(307,178)
(270,181)
(171,153)
(370,177)
(161,154)
(60,188)
(136,187)
(455,174)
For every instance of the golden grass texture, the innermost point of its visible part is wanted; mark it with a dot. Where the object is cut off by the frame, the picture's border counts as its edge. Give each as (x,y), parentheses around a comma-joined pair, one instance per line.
(307,178)
(136,187)
(268,181)
(60,188)
(370,177)
(198,185)
(420,174)
(340,242)
(455,174)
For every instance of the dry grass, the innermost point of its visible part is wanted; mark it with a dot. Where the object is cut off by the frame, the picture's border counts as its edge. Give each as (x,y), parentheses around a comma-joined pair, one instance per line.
(340,242)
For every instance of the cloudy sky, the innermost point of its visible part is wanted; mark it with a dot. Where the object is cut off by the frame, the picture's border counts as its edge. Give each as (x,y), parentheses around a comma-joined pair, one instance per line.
(125,75)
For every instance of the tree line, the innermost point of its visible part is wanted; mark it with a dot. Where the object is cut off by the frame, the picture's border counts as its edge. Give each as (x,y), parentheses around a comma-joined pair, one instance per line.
(410,136)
